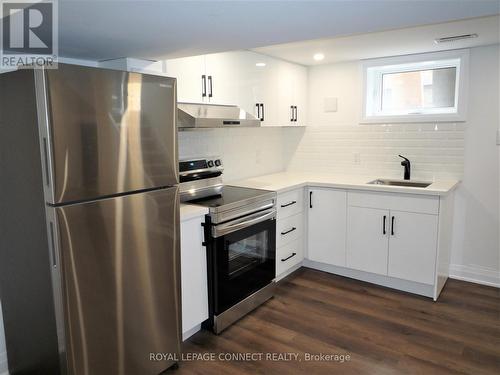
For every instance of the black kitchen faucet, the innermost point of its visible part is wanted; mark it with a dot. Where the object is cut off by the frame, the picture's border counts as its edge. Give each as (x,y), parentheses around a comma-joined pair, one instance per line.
(406,163)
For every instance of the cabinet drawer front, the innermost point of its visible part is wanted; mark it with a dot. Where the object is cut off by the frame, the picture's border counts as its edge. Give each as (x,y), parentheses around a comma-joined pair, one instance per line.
(290,203)
(289,255)
(426,204)
(289,229)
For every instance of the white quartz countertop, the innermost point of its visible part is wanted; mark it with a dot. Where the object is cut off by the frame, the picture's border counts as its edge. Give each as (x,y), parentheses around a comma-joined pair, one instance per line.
(191,211)
(281,182)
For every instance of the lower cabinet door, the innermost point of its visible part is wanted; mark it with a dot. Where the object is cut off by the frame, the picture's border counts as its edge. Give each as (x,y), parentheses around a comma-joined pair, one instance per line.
(193,274)
(413,246)
(367,239)
(327,226)
(289,255)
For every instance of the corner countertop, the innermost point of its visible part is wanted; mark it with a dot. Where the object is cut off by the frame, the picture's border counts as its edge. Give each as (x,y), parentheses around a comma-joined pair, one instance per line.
(191,211)
(285,181)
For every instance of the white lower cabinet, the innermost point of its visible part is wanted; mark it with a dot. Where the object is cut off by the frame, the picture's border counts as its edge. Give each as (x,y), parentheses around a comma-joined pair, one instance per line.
(412,246)
(393,239)
(288,256)
(368,240)
(289,232)
(391,242)
(193,276)
(327,226)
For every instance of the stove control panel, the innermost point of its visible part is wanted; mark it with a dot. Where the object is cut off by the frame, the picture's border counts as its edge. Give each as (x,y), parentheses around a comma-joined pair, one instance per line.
(200,164)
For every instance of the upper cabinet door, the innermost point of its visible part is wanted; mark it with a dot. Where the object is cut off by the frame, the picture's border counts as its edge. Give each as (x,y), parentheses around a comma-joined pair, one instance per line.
(327,226)
(292,95)
(300,89)
(192,83)
(224,77)
(412,247)
(258,85)
(367,239)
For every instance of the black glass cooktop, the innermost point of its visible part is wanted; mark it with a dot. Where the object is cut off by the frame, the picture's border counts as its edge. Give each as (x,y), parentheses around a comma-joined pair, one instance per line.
(230,195)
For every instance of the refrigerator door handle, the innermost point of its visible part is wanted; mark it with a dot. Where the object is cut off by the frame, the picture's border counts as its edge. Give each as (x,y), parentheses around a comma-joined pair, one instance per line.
(46,161)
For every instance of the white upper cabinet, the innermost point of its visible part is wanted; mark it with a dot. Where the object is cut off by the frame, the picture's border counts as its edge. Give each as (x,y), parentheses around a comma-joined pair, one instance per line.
(191,78)
(272,90)
(224,74)
(292,96)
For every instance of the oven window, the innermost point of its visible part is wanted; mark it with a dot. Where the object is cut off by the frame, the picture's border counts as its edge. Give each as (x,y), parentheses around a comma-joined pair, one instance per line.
(247,253)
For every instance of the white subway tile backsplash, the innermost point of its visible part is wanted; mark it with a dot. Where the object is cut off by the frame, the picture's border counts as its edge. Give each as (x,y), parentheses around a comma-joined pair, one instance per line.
(246,152)
(435,150)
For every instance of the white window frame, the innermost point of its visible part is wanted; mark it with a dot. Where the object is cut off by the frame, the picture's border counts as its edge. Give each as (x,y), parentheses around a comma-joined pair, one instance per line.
(373,71)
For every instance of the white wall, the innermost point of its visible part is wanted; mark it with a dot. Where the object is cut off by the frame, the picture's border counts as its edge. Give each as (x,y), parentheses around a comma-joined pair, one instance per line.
(463,151)
(476,248)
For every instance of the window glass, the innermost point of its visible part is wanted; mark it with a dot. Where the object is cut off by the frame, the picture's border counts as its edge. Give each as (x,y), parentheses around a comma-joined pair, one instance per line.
(406,92)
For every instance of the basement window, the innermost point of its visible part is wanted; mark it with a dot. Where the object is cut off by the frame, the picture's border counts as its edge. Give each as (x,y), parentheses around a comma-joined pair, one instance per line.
(416,88)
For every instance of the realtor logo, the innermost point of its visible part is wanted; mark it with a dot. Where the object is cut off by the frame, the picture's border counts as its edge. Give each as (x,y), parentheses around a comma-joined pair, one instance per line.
(29,34)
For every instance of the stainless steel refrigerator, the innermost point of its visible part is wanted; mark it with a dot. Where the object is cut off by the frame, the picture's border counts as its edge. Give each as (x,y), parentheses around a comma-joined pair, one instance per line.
(89,221)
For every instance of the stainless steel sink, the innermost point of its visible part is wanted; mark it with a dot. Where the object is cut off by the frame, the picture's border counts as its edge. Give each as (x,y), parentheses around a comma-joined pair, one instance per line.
(415,184)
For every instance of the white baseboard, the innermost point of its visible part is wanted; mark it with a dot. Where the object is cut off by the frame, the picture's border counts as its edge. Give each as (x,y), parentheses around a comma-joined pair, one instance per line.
(478,275)
(189,332)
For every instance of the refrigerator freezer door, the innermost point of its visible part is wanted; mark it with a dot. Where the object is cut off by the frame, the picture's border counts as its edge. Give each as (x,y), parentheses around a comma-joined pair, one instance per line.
(120,272)
(105,132)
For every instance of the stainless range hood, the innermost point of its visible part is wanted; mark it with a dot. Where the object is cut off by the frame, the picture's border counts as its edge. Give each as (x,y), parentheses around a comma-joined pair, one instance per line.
(199,115)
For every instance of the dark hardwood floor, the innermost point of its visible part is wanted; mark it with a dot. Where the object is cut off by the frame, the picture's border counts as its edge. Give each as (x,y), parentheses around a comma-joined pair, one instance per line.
(382,330)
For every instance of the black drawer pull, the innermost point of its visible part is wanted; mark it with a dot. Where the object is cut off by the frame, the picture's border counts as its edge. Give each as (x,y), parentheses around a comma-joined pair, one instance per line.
(288,231)
(291,256)
(383,225)
(288,204)
(392,227)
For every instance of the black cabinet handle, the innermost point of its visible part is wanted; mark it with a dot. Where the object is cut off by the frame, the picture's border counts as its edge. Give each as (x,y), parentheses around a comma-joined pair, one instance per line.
(291,256)
(288,204)
(295,114)
(310,199)
(203,85)
(392,226)
(291,113)
(383,225)
(258,110)
(288,231)
(210,93)
(262,113)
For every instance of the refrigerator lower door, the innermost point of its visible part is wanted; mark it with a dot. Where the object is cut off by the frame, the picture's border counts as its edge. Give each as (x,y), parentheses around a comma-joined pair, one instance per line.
(119,267)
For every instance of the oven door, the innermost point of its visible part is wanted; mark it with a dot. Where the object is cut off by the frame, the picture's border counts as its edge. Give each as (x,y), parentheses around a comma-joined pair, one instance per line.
(244,257)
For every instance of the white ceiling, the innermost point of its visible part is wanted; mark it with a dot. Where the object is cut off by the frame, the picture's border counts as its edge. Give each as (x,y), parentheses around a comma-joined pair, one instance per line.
(99,30)
(389,43)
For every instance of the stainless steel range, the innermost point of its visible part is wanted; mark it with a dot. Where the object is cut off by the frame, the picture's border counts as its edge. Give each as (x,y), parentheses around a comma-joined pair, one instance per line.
(240,236)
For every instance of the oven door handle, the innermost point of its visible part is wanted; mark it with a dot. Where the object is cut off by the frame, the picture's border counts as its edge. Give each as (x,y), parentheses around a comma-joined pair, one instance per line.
(234,225)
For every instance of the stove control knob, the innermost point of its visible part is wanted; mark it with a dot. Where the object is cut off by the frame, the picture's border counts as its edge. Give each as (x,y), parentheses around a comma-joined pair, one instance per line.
(218,163)
(210,163)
